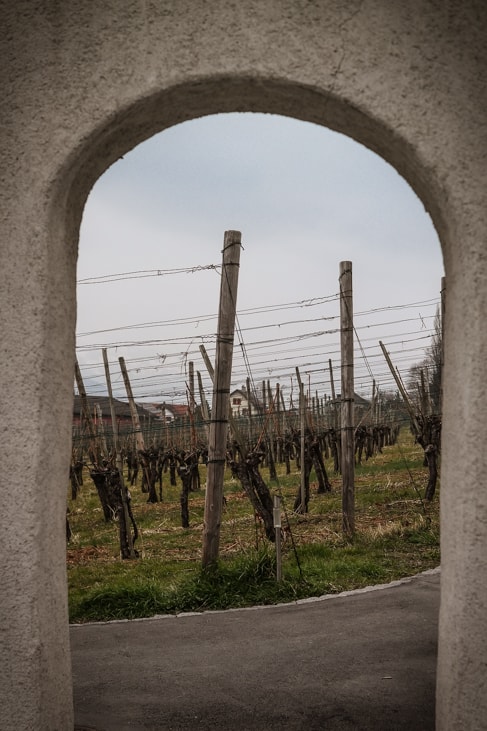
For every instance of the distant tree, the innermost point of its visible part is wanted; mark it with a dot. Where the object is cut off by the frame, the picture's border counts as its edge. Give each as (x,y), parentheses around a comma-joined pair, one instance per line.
(431,368)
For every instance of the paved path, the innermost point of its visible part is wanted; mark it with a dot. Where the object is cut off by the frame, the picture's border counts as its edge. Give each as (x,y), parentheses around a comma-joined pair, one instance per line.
(361,661)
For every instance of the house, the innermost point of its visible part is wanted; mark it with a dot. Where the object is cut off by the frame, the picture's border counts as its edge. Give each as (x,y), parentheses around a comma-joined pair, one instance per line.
(168,413)
(239,403)
(174,412)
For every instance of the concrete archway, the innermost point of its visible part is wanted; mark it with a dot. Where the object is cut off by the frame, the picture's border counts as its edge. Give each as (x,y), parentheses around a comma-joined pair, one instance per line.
(82,86)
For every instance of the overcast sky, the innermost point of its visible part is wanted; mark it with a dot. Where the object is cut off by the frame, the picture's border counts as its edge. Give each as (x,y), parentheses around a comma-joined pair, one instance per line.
(304,198)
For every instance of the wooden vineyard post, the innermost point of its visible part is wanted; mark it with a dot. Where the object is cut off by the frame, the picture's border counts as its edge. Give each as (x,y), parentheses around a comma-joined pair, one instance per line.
(373,407)
(98,471)
(217,442)
(126,541)
(249,412)
(302,422)
(337,456)
(100,431)
(204,404)
(231,421)
(279,425)
(270,435)
(420,428)
(139,438)
(347,399)
(283,407)
(277,528)
(94,449)
(194,482)
(402,390)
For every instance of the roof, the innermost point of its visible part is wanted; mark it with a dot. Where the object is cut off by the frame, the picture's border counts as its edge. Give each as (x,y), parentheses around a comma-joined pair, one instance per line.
(358,400)
(122,408)
(178,410)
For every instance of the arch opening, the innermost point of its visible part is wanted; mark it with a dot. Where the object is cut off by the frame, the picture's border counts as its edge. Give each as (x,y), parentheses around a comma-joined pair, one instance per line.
(292,267)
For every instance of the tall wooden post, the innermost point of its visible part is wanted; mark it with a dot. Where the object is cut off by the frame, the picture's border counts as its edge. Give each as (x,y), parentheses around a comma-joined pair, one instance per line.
(302,422)
(235,431)
(270,433)
(94,448)
(204,404)
(118,461)
(402,390)
(283,407)
(191,403)
(195,480)
(249,412)
(279,424)
(335,424)
(100,430)
(347,399)
(139,438)
(217,442)
(373,407)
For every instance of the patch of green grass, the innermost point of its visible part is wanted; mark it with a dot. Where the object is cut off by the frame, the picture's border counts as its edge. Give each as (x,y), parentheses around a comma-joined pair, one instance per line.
(397,535)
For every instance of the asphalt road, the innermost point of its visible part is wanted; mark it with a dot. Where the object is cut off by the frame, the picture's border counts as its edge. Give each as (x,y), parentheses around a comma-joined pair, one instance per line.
(366,660)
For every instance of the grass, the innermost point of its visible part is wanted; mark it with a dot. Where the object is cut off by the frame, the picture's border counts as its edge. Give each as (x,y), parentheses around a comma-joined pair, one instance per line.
(397,535)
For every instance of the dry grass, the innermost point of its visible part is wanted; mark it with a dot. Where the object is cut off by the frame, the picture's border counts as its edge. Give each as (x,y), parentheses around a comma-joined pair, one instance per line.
(397,534)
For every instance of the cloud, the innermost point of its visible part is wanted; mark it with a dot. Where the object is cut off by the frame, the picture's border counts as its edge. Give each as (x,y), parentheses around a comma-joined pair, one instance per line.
(304,198)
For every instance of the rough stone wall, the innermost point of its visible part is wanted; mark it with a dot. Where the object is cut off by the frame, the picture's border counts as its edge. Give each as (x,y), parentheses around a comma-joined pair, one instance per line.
(81,83)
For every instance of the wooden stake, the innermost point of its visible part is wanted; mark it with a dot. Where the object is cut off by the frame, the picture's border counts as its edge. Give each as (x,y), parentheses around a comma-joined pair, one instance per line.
(302,421)
(249,412)
(139,438)
(118,460)
(208,363)
(402,390)
(221,390)
(347,399)
(100,431)
(231,421)
(204,404)
(94,450)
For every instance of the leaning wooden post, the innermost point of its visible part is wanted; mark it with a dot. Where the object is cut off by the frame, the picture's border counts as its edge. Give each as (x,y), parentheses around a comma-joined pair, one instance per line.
(338,445)
(100,430)
(94,450)
(234,430)
(139,438)
(217,442)
(347,399)
(119,463)
(204,404)
(402,390)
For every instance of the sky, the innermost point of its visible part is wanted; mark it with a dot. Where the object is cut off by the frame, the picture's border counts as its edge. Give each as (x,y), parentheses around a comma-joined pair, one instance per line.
(304,198)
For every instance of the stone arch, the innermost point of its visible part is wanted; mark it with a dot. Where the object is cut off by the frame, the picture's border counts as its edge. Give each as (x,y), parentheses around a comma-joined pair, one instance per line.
(148,116)
(82,83)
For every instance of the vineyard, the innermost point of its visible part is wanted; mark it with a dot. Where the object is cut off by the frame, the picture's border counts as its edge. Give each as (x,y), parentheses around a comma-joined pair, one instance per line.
(258,497)
(397,534)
